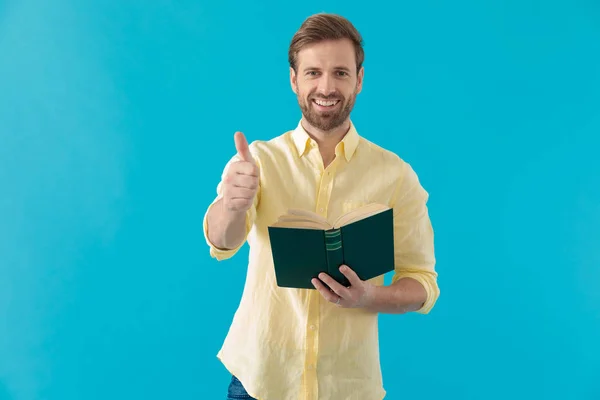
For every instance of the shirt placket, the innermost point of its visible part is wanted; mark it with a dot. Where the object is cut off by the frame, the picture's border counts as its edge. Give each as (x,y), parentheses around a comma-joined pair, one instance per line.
(325,178)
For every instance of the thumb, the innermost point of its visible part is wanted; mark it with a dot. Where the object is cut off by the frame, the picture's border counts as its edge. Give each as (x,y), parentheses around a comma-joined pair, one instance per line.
(241,145)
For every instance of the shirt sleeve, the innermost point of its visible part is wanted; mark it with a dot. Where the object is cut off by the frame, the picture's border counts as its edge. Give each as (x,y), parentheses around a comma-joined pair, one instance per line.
(414,244)
(223,254)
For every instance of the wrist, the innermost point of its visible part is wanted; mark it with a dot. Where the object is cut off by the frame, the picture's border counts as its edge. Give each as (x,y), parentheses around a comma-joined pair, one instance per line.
(230,216)
(228,226)
(369,297)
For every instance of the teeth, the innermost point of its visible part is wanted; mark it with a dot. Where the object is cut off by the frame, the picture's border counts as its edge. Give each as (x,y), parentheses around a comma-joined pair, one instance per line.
(328,103)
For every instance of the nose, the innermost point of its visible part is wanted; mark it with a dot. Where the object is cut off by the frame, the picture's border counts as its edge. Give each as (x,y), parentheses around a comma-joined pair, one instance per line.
(326,85)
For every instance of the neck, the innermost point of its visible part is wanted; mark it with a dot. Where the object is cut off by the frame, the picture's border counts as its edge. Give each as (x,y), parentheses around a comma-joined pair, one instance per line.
(327,140)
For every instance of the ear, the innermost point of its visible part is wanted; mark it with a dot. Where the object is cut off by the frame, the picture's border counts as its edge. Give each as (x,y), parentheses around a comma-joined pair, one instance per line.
(293,82)
(359,81)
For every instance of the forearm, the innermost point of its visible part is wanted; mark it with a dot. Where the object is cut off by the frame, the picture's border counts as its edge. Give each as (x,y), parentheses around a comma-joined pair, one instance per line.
(226,229)
(403,296)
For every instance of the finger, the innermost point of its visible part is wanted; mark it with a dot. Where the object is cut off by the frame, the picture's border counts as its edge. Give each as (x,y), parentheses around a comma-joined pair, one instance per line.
(244,168)
(243,181)
(235,192)
(351,275)
(327,294)
(338,289)
(241,145)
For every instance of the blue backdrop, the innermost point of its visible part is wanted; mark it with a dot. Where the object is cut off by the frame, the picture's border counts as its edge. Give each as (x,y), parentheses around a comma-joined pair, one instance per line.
(116,119)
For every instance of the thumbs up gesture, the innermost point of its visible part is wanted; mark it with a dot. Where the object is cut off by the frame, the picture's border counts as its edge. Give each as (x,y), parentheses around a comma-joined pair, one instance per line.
(240,183)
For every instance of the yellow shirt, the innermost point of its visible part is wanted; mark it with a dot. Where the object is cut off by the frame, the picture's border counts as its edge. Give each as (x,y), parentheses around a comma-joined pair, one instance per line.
(291,344)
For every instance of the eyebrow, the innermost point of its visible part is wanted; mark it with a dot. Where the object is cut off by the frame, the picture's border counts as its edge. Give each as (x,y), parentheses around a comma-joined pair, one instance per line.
(343,68)
(339,67)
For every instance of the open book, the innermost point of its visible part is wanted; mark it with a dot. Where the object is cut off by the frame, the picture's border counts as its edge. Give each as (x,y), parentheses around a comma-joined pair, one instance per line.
(305,244)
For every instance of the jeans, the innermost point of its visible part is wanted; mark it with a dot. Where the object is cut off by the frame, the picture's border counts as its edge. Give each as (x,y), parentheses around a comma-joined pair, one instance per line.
(236,390)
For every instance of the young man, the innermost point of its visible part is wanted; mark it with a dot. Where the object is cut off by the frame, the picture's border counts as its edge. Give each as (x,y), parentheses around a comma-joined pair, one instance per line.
(300,344)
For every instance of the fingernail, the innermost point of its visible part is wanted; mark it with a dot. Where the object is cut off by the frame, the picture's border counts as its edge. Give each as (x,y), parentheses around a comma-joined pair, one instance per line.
(343,268)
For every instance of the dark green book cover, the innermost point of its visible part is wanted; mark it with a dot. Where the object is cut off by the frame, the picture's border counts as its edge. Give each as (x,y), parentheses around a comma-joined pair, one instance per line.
(366,246)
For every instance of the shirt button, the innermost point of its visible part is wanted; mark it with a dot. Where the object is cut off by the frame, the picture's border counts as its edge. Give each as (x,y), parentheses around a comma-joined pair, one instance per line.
(312,327)
(321,209)
(311,367)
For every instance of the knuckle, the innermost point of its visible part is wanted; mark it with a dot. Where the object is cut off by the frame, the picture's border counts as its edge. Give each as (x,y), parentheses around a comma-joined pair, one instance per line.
(233,167)
(243,167)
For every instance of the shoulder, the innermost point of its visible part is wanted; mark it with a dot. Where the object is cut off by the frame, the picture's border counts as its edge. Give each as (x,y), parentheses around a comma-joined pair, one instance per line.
(268,148)
(378,154)
(400,171)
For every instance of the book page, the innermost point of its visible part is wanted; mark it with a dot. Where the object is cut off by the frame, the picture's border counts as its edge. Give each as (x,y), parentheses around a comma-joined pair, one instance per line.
(360,213)
(296,218)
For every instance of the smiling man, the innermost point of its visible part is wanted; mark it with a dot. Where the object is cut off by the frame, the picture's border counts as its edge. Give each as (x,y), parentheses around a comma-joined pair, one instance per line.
(317,344)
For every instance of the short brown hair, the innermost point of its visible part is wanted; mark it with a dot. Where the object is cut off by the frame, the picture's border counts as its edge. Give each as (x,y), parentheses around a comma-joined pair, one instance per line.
(321,27)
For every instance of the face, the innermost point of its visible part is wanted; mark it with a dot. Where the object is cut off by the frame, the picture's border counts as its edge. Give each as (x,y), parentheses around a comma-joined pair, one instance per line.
(327,83)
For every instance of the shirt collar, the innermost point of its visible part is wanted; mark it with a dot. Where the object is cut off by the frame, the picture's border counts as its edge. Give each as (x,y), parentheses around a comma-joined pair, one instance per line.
(348,144)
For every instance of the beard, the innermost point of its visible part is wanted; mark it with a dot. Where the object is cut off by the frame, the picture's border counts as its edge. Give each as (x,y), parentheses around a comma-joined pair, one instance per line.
(328,120)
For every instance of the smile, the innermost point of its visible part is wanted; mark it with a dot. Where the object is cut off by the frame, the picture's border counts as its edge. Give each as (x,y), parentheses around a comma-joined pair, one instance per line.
(325,103)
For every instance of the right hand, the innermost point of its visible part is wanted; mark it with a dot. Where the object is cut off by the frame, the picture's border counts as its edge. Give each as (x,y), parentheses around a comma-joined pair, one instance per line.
(240,183)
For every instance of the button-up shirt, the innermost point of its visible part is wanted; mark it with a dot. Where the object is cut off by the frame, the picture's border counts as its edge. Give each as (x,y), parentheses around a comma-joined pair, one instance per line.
(292,344)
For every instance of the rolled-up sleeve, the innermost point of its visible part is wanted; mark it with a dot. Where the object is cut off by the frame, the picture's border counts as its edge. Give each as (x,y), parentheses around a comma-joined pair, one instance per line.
(413,236)
(223,254)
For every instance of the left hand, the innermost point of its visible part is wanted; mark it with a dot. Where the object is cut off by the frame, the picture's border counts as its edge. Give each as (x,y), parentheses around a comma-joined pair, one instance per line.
(359,294)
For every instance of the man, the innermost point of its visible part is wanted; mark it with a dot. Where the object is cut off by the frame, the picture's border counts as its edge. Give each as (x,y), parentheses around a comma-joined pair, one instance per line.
(303,344)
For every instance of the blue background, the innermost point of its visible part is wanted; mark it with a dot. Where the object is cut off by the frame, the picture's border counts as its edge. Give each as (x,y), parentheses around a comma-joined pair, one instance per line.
(116,119)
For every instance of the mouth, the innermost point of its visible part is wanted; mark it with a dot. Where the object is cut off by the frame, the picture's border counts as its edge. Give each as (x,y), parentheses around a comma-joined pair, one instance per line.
(325,105)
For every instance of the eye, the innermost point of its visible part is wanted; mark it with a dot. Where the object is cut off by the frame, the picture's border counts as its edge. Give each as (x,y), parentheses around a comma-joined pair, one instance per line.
(342,73)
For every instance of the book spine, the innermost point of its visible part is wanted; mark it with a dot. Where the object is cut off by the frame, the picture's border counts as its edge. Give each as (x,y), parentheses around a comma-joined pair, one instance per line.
(335,254)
